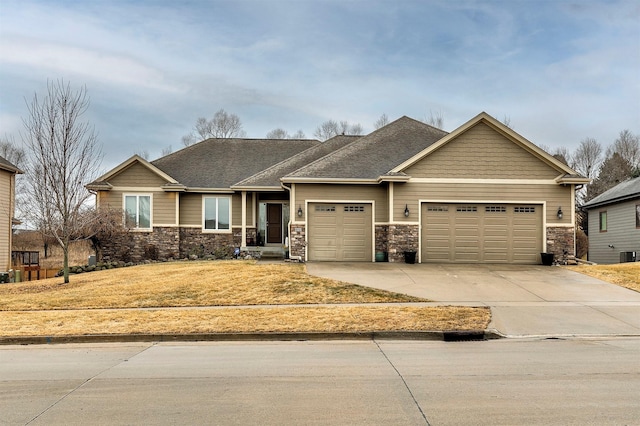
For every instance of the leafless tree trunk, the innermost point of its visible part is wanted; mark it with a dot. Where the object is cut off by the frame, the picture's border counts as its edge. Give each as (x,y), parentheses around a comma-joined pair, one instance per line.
(331,128)
(64,154)
(435,119)
(627,145)
(588,157)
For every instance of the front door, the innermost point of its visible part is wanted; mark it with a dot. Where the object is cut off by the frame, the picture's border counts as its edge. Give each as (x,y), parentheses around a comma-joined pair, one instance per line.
(274,223)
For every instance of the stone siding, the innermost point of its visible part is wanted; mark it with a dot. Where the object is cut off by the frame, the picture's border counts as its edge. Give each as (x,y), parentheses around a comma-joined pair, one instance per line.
(172,243)
(161,243)
(297,242)
(561,241)
(402,238)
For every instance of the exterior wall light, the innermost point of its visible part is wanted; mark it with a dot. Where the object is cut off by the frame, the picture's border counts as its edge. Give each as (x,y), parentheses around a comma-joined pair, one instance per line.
(299,211)
(559,212)
(406,210)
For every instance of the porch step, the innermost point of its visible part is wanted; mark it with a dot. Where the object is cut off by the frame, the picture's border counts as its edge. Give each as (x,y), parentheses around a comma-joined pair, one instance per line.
(271,253)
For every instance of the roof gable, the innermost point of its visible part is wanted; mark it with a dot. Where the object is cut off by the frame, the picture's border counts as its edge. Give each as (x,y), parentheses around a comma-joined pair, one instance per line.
(118,175)
(8,166)
(481,152)
(510,135)
(372,156)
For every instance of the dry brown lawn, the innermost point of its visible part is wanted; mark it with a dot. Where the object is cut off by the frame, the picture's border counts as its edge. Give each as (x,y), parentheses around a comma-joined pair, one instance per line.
(623,274)
(205,297)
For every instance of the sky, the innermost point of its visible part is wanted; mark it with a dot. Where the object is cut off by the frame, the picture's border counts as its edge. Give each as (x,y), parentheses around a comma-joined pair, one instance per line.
(559,71)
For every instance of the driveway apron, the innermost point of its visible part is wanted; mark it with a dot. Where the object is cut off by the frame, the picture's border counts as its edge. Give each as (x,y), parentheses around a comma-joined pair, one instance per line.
(525,300)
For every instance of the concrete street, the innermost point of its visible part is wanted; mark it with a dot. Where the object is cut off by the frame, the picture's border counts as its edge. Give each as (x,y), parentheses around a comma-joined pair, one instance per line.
(525,300)
(521,381)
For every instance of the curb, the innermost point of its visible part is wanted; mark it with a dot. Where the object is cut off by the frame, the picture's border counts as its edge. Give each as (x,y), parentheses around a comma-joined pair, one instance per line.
(447,336)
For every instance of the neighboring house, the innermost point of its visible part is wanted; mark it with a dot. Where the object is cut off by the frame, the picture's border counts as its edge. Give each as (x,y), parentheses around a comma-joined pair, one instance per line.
(481,193)
(7,210)
(614,223)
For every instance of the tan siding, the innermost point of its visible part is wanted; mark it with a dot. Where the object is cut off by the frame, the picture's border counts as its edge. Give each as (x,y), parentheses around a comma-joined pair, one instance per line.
(137,175)
(482,153)
(236,210)
(6,213)
(345,193)
(164,204)
(409,193)
(164,208)
(191,209)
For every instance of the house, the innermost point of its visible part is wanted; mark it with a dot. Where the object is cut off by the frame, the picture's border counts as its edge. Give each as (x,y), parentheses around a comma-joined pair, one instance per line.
(7,210)
(614,224)
(481,193)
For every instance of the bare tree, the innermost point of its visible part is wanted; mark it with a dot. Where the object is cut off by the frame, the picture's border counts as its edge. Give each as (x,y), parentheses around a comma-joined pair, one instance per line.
(588,157)
(221,125)
(381,122)
(166,151)
(331,128)
(298,135)
(11,152)
(627,145)
(435,119)
(278,133)
(507,121)
(562,154)
(64,154)
(614,169)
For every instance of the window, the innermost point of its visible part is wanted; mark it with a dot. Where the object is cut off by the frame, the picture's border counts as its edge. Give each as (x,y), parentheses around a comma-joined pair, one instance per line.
(467,209)
(495,209)
(437,208)
(637,215)
(353,208)
(217,213)
(603,221)
(137,211)
(325,208)
(524,209)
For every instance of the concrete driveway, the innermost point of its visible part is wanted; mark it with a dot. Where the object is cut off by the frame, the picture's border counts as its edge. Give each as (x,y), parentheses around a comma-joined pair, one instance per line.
(525,300)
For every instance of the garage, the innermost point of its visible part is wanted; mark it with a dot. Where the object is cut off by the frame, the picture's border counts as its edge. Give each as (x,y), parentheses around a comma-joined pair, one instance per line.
(339,232)
(481,233)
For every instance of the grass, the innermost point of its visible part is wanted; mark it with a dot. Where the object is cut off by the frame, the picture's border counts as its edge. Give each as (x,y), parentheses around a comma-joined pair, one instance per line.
(204,297)
(623,274)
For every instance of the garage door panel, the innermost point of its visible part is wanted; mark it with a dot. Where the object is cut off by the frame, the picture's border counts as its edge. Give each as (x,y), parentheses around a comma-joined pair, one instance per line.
(349,225)
(490,233)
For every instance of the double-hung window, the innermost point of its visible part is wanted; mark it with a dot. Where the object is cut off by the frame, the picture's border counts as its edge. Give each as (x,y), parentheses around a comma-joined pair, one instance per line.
(603,221)
(216,213)
(137,211)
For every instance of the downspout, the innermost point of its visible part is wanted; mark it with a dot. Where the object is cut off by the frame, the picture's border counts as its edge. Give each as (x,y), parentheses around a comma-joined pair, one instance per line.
(291,215)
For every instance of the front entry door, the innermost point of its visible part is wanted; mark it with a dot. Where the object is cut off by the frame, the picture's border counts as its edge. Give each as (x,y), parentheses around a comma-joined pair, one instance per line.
(274,223)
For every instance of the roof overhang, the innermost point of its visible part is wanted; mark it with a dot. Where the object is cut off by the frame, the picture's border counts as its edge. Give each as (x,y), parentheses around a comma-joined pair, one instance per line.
(257,188)
(210,190)
(572,180)
(99,186)
(394,178)
(344,181)
(622,199)
(174,187)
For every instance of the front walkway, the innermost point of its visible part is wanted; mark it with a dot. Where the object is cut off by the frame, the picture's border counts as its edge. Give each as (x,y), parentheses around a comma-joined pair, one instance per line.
(525,300)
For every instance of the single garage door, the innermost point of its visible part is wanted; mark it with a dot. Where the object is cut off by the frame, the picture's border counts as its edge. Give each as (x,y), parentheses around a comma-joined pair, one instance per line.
(481,233)
(339,232)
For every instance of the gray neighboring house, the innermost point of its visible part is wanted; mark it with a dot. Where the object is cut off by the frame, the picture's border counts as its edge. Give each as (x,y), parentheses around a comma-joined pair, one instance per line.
(614,223)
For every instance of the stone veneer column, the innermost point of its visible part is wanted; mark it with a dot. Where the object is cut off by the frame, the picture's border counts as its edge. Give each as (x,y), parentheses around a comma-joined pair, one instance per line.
(402,238)
(297,242)
(560,239)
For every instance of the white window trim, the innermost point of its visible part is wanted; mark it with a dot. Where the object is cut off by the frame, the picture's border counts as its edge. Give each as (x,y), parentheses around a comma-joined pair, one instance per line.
(217,231)
(124,208)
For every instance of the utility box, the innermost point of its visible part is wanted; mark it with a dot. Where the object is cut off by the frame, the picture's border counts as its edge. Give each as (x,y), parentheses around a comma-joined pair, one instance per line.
(627,256)
(92,260)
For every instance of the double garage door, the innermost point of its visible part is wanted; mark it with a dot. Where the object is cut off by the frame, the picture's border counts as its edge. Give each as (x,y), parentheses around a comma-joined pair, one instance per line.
(339,232)
(481,233)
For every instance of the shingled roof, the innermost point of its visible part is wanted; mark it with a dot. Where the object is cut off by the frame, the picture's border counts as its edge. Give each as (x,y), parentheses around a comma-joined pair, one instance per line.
(220,163)
(627,190)
(271,176)
(373,155)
